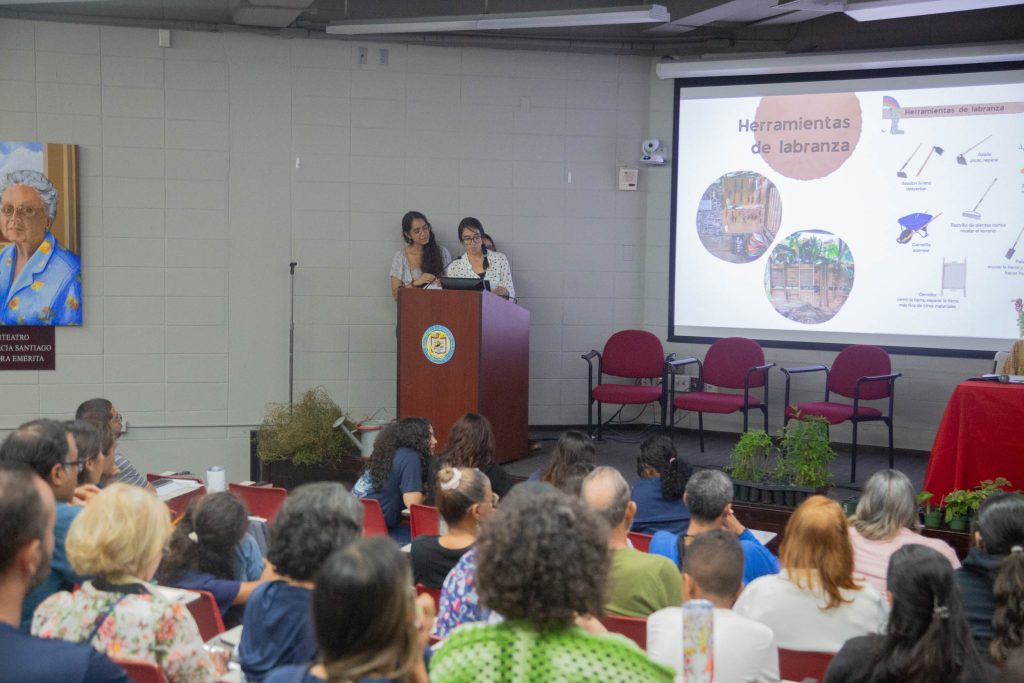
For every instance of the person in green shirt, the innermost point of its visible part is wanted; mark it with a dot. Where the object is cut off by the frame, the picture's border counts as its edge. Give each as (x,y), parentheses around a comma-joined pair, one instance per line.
(640,583)
(542,563)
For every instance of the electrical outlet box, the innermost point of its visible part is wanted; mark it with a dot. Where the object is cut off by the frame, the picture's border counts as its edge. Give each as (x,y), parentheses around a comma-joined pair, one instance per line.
(362,55)
(694,384)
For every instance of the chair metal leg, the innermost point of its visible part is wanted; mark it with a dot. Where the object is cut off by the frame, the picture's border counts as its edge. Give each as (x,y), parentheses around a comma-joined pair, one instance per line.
(764,409)
(892,460)
(600,422)
(853,455)
(590,418)
(746,418)
(700,428)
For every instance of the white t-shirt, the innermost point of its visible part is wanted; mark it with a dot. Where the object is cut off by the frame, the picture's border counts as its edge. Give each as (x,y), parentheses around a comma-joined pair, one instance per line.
(745,650)
(799,619)
(871,558)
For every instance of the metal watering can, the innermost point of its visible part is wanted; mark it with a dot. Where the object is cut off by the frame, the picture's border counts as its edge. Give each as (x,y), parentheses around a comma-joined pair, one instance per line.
(365,435)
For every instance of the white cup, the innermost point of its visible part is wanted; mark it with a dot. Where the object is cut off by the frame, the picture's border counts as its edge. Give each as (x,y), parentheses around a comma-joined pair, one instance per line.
(215,481)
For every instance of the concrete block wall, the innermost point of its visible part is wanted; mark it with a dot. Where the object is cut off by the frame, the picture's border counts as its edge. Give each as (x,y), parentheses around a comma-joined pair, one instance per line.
(207,167)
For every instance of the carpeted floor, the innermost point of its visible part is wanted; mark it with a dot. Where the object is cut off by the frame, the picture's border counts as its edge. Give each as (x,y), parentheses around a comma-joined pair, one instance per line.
(621,446)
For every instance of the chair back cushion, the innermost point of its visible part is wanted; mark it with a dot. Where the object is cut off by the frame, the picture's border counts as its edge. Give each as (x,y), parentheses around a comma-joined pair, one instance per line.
(855,362)
(798,665)
(728,360)
(633,353)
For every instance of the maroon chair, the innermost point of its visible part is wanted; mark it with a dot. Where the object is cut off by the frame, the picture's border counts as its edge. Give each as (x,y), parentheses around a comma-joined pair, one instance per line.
(640,541)
(262,501)
(799,665)
(423,521)
(206,614)
(863,373)
(435,593)
(634,628)
(373,518)
(633,354)
(142,672)
(730,363)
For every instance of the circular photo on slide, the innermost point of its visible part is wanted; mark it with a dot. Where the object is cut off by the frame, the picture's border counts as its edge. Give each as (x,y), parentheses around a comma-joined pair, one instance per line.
(809,276)
(738,216)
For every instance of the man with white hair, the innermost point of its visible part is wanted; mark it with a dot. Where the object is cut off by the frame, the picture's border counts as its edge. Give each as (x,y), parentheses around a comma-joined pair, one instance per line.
(40,281)
(639,583)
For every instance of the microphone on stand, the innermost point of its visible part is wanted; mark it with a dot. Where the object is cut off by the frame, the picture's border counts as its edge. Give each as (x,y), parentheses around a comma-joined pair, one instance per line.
(1001,379)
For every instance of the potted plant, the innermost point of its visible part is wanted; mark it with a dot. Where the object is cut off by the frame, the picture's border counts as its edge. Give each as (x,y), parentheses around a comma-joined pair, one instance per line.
(748,464)
(805,458)
(960,503)
(298,443)
(932,514)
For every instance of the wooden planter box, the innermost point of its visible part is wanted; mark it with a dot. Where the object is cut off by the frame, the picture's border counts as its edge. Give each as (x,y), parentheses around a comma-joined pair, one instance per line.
(770,494)
(287,475)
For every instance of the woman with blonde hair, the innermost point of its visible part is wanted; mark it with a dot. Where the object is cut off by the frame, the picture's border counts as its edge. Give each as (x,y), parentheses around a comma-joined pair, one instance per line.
(815,603)
(118,539)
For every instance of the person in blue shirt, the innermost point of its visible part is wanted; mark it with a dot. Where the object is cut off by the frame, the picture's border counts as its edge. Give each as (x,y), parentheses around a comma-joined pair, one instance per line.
(395,475)
(27,513)
(202,554)
(658,493)
(277,629)
(709,497)
(369,628)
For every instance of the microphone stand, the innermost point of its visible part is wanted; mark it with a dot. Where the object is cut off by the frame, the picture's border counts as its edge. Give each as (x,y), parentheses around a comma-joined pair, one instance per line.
(291,331)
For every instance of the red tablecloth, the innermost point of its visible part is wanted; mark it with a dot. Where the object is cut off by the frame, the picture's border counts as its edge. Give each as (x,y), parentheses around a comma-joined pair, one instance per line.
(981,436)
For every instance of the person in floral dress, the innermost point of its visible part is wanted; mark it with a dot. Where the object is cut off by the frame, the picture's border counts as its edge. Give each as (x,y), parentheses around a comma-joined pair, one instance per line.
(119,538)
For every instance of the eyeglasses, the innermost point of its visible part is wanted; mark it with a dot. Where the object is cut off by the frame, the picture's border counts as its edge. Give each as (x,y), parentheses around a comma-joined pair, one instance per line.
(471,240)
(30,212)
(422,230)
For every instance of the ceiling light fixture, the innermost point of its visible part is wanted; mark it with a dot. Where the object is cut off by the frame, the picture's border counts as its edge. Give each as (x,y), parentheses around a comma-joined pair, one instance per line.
(877,10)
(608,16)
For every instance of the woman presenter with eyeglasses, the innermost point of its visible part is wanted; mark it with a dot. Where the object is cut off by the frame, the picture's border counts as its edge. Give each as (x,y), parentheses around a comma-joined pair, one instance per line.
(40,281)
(422,260)
(481,263)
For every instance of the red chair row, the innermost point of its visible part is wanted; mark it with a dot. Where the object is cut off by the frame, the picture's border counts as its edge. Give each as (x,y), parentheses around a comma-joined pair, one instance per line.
(859,372)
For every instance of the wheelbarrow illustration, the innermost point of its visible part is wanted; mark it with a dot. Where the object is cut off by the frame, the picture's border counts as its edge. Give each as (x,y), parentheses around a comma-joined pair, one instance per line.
(915,223)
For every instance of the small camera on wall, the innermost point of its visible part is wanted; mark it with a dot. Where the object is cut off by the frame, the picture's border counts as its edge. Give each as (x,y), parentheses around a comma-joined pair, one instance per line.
(652,152)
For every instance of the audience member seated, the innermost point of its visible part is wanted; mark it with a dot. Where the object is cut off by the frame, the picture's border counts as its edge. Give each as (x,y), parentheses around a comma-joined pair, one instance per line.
(118,539)
(744,649)
(314,521)
(926,638)
(27,514)
(51,452)
(658,493)
(464,498)
(640,583)
(202,554)
(992,577)
(471,444)
(709,499)
(102,410)
(815,604)
(572,449)
(91,461)
(885,521)
(395,473)
(459,603)
(367,625)
(535,531)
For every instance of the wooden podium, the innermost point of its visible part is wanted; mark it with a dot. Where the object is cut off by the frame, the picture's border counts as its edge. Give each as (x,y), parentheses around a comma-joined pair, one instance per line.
(465,352)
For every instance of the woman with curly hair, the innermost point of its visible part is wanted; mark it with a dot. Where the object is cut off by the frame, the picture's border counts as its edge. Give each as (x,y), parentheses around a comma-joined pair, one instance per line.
(471,444)
(202,554)
(395,475)
(572,447)
(542,562)
(658,493)
(992,577)
(422,260)
(815,603)
(926,638)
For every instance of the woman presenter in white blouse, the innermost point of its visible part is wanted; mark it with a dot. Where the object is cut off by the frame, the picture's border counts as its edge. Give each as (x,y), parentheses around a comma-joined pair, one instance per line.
(422,260)
(478,262)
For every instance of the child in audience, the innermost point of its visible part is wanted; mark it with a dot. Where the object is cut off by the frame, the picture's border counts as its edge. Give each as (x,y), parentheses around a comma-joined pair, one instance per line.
(658,493)
(885,521)
(542,562)
(573,447)
(744,649)
(202,553)
(314,521)
(464,498)
(118,539)
(396,473)
(369,627)
(815,603)
(992,577)
(471,444)
(926,638)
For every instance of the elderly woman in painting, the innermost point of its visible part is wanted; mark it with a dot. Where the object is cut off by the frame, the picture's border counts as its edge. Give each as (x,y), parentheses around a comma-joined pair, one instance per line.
(40,281)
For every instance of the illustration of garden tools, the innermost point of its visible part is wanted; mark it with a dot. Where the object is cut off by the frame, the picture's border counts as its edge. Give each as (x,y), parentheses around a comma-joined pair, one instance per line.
(1013,250)
(973,213)
(960,157)
(900,173)
(915,223)
(934,150)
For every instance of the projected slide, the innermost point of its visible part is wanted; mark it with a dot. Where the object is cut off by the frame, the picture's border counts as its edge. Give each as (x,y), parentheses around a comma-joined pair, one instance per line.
(869,211)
